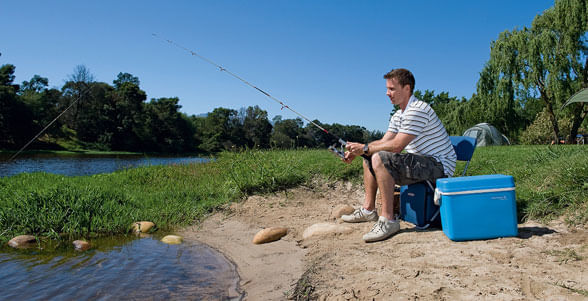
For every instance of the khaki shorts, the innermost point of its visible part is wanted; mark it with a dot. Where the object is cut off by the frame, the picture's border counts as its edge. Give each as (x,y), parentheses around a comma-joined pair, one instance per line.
(408,168)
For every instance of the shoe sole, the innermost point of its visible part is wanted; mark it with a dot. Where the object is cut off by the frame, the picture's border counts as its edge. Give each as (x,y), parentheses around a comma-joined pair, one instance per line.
(362,221)
(381,238)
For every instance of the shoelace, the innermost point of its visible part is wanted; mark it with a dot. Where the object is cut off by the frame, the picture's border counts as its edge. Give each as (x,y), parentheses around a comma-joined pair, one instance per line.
(379,225)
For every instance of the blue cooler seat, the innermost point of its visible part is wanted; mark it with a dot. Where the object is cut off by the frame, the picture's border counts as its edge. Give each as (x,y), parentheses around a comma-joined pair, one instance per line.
(416,200)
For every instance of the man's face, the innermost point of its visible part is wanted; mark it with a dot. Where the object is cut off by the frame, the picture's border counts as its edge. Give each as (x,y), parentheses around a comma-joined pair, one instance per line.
(396,92)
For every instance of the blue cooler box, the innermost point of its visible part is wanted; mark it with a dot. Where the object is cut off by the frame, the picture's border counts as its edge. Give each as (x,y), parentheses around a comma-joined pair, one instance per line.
(477,207)
(417,207)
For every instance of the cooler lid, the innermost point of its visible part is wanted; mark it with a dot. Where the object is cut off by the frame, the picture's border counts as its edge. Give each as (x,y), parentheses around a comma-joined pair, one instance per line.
(474,183)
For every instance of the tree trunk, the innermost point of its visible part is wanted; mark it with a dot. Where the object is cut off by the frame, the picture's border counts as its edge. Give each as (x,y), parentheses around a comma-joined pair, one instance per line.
(579,115)
(551,116)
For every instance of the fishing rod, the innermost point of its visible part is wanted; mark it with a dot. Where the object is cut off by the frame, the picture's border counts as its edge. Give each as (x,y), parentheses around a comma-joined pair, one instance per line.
(333,148)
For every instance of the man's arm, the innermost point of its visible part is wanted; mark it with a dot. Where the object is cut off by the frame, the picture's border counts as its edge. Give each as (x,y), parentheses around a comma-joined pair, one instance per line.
(391,142)
(395,145)
(349,156)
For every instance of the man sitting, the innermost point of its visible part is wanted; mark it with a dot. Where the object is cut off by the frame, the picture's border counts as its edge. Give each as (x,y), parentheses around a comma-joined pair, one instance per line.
(429,155)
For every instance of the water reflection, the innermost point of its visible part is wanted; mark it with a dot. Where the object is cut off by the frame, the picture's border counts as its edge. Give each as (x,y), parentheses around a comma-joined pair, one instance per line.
(79,165)
(136,269)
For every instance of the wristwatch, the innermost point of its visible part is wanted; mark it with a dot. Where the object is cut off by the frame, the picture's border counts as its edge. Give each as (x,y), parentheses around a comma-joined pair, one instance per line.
(366,148)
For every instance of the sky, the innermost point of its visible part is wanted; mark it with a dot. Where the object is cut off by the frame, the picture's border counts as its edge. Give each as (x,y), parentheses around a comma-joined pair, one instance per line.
(325,59)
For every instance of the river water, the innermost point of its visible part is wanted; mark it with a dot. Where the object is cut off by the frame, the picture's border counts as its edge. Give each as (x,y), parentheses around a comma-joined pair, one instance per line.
(116,268)
(119,269)
(81,165)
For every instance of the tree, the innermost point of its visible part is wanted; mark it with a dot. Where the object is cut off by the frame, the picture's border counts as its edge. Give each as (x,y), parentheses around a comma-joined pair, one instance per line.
(547,61)
(169,130)
(220,130)
(122,78)
(256,127)
(43,103)
(15,117)
(37,84)
(286,133)
(128,115)
(76,90)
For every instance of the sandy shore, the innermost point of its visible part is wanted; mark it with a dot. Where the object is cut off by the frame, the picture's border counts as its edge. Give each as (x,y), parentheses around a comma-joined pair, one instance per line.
(546,262)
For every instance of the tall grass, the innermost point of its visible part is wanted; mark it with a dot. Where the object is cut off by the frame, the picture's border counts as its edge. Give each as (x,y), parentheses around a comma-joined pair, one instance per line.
(56,206)
(550,182)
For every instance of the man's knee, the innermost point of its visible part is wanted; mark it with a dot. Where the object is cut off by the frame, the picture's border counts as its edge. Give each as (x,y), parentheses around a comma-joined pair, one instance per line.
(377,163)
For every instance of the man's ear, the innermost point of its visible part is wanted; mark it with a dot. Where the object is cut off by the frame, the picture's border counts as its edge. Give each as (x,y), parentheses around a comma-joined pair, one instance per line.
(406,88)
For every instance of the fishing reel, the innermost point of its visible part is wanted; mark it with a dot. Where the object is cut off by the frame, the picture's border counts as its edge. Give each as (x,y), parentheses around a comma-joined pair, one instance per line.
(338,152)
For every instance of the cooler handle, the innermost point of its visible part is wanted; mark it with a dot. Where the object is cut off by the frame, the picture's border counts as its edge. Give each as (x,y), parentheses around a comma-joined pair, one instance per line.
(439,193)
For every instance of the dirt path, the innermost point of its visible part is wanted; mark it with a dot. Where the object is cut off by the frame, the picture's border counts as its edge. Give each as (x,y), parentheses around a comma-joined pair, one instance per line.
(546,262)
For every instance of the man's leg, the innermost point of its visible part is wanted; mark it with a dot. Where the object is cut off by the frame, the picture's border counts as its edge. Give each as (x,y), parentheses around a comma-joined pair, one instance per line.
(371,187)
(385,182)
(386,225)
(368,212)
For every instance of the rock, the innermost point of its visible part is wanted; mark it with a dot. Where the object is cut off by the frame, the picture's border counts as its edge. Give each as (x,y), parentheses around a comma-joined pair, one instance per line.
(321,229)
(340,210)
(172,239)
(23,241)
(142,227)
(81,245)
(269,234)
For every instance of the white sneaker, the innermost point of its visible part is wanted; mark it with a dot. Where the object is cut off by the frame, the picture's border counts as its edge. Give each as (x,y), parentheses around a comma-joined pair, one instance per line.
(359,217)
(382,230)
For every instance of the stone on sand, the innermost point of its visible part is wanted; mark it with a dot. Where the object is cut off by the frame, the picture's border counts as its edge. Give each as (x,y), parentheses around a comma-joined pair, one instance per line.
(340,210)
(172,239)
(22,241)
(81,245)
(142,227)
(321,229)
(269,234)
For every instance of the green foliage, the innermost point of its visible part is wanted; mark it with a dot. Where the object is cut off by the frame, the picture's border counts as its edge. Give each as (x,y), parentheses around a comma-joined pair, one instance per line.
(540,131)
(547,61)
(550,181)
(53,206)
(15,116)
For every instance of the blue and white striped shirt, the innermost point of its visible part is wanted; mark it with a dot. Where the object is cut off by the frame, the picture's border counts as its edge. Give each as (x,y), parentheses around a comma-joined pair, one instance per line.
(431,138)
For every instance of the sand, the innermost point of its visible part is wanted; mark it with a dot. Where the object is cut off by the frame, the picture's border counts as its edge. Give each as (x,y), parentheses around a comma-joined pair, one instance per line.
(545,262)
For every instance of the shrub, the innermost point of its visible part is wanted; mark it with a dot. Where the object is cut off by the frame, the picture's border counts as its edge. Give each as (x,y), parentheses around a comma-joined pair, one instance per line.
(541,130)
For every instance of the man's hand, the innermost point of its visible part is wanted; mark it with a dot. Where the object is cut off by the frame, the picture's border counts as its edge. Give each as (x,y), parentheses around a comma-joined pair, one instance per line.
(355,148)
(348,157)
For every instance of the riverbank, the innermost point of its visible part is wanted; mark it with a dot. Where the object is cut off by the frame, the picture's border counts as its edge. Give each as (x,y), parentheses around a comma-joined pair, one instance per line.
(56,207)
(550,182)
(546,261)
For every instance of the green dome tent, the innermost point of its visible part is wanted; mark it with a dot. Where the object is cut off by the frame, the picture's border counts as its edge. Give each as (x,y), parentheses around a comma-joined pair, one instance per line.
(486,134)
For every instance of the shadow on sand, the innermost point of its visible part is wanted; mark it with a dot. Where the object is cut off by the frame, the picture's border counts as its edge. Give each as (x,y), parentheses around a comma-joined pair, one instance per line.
(528,232)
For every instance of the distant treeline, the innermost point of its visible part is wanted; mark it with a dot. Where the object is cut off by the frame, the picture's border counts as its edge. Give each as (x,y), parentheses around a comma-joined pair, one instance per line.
(117,117)
(522,87)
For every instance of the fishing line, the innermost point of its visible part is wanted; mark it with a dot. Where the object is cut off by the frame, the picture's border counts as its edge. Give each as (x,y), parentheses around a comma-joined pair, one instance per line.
(50,123)
(221,68)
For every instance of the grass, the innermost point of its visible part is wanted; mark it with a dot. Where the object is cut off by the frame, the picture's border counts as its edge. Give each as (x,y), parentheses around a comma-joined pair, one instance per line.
(550,182)
(582,292)
(56,206)
(565,255)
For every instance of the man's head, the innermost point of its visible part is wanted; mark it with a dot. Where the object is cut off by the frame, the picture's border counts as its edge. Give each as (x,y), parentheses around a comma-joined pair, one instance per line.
(403,76)
(399,86)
